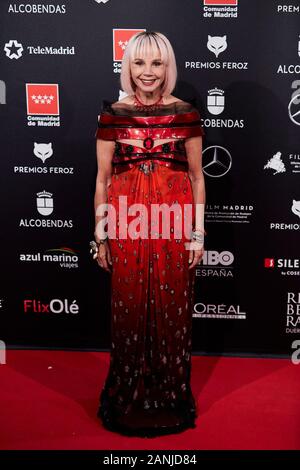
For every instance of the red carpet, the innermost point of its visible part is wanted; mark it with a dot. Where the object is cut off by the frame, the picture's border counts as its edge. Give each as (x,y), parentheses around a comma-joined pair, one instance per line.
(49,399)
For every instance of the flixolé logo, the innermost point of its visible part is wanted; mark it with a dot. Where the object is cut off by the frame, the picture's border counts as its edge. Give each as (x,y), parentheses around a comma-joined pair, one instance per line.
(220,8)
(42,99)
(63,306)
(120,41)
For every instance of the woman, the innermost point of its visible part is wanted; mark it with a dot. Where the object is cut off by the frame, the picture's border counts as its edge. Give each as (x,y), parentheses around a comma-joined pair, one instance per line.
(149,147)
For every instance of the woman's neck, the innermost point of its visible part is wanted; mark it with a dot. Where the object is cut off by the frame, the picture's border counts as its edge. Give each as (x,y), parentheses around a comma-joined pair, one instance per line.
(148,98)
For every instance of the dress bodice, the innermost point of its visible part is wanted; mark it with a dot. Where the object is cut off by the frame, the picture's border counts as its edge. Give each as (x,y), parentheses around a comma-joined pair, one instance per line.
(176,122)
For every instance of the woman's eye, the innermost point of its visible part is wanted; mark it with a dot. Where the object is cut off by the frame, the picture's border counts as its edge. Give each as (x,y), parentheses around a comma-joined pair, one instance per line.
(157,64)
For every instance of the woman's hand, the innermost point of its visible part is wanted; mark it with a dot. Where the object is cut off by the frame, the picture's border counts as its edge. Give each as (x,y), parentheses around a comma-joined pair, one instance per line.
(196,254)
(104,257)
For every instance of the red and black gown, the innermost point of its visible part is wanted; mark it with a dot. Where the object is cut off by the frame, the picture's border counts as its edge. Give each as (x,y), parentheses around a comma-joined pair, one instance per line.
(147,391)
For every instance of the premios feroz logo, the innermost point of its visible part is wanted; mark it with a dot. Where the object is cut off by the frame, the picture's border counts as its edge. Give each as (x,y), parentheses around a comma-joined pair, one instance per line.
(43,152)
(217,45)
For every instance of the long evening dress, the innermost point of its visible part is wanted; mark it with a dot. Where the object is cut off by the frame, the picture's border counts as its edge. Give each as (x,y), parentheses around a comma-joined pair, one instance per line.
(147,391)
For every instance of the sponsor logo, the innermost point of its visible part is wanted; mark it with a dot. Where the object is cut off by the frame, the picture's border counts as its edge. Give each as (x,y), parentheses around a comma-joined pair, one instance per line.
(283,8)
(293,312)
(36,8)
(42,101)
(43,152)
(216,106)
(217,161)
(278,164)
(45,207)
(229,213)
(294,104)
(217,264)
(228,312)
(120,41)
(291,68)
(220,8)
(56,306)
(216,45)
(63,257)
(44,203)
(286,266)
(295,209)
(14,50)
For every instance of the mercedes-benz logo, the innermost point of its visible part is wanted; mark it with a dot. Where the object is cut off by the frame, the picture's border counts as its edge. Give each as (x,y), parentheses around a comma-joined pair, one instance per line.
(294,109)
(217,161)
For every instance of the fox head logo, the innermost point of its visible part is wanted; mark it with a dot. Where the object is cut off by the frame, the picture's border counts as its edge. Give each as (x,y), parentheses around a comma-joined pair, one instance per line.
(43,151)
(217,44)
(296,207)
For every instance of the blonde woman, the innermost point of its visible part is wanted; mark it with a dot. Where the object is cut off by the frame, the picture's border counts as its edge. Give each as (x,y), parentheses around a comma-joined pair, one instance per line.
(149,148)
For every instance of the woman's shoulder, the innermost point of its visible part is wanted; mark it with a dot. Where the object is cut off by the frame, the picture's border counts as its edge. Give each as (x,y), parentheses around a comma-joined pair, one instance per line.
(169,102)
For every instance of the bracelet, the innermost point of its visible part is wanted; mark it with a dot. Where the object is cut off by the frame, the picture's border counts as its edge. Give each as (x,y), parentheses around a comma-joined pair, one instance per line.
(199,237)
(95,246)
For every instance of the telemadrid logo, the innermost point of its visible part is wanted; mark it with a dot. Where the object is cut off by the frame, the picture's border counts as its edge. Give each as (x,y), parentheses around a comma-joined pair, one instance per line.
(13,49)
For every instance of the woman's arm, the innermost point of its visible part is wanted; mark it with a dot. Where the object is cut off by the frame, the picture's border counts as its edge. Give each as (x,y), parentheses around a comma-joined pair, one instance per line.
(193,147)
(105,150)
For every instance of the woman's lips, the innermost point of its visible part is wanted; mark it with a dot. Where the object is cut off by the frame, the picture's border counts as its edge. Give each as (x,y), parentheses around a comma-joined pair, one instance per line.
(148,82)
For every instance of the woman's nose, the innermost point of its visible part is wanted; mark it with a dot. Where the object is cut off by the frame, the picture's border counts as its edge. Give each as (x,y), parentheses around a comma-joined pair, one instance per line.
(148,70)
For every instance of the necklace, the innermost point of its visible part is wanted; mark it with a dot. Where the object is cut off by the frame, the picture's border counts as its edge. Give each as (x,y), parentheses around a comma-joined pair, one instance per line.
(147,107)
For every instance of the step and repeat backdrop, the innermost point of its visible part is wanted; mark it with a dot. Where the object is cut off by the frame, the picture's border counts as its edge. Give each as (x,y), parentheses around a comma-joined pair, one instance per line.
(239,63)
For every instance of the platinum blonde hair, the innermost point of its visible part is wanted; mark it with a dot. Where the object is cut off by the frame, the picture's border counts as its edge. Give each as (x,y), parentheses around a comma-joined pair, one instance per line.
(140,45)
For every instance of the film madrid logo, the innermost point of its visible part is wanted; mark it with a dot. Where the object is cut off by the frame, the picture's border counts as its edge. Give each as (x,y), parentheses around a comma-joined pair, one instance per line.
(216,45)
(120,41)
(281,164)
(216,106)
(53,306)
(45,207)
(43,151)
(229,213)
(286,266)
(42,101)
(220,8)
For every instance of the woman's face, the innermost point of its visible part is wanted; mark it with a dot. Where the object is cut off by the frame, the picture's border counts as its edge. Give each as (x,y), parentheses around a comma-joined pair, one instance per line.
(148,72)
